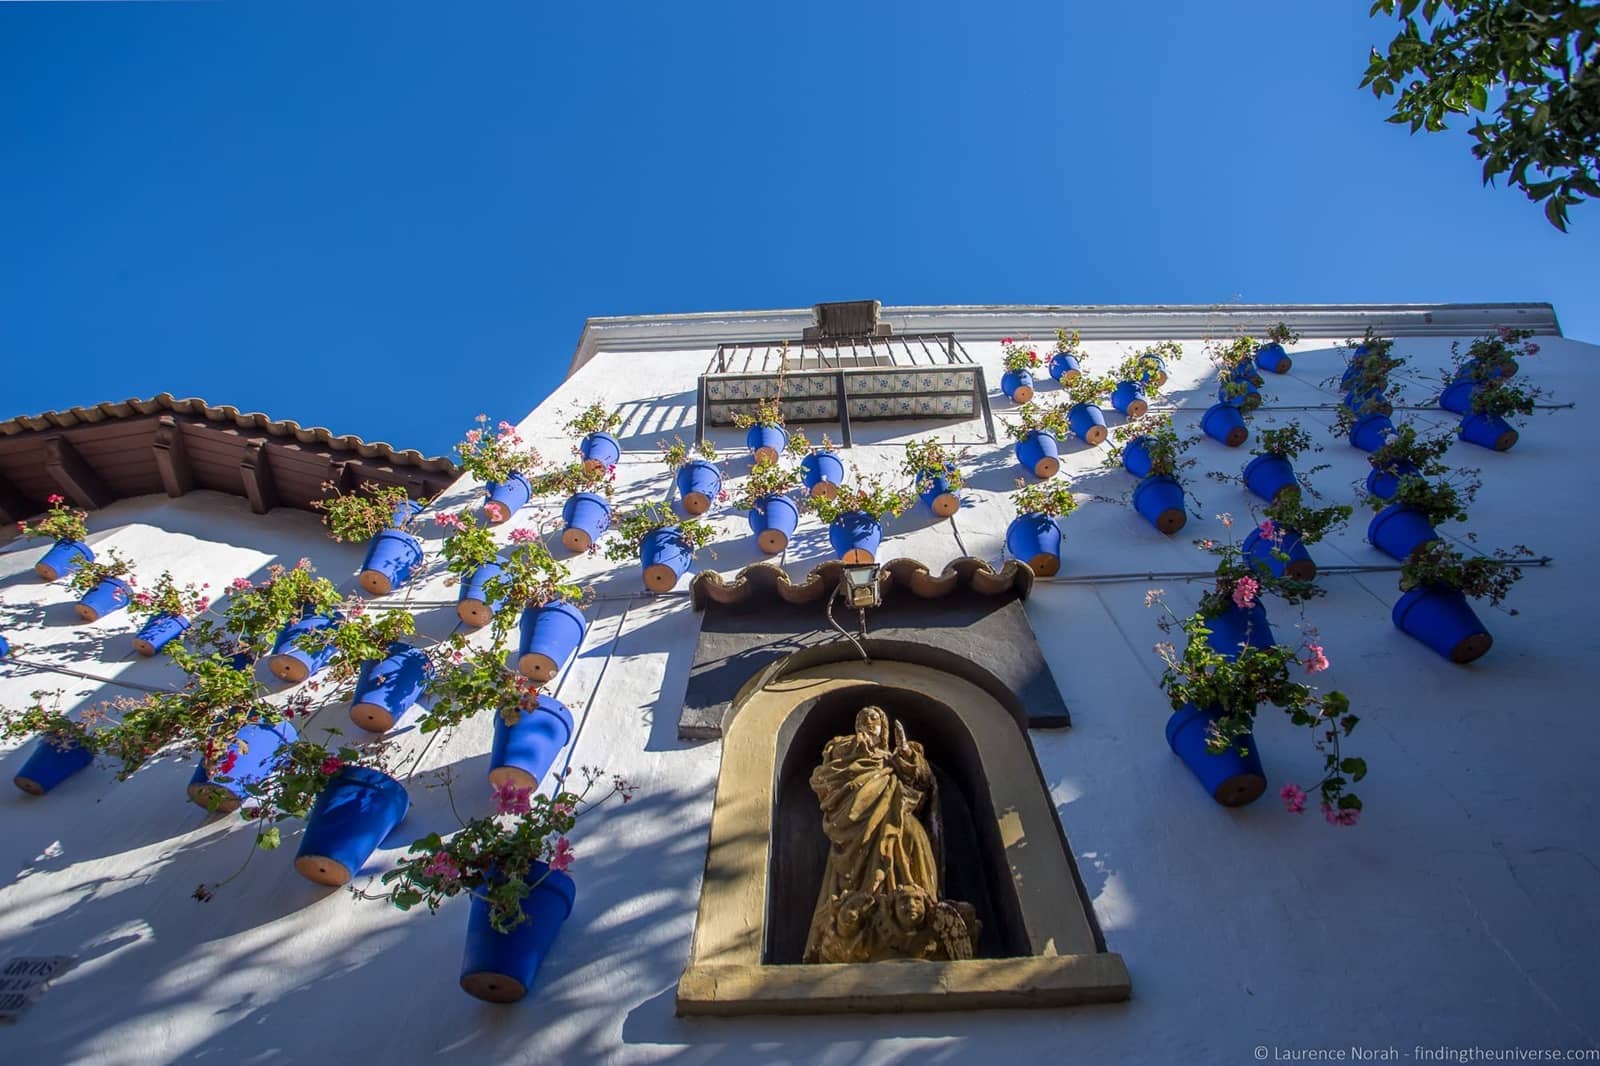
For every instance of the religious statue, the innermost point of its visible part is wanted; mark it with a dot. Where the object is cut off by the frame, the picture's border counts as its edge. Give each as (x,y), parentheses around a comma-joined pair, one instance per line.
(880,890)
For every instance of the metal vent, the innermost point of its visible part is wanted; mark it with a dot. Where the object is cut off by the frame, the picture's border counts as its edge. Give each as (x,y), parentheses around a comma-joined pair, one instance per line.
(849,318)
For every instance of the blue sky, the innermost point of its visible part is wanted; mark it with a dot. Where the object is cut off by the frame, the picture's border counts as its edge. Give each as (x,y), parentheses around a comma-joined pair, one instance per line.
(387,217)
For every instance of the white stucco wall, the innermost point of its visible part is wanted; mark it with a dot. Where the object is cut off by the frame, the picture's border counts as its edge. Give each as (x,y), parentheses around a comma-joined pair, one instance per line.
(1462,911)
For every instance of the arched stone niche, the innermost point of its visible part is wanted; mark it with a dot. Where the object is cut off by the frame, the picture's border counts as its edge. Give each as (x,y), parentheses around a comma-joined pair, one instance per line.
(1044,950)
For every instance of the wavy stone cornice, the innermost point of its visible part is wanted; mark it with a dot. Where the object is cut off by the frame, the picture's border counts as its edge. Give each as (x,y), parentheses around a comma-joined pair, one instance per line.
(764,581)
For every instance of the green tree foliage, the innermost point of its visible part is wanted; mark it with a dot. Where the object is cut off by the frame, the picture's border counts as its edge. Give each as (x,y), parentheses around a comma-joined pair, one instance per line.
(1530,71)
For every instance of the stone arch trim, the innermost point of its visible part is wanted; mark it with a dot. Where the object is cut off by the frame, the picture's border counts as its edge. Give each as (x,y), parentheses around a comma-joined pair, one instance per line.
(725,974)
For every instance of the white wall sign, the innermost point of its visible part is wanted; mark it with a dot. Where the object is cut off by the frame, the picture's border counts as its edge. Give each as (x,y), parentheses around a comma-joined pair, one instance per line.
(24,979)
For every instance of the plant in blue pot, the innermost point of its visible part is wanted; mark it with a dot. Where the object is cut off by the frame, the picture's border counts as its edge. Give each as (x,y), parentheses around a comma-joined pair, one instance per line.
(1271,475)
(664,542)
(1067,362)
(594,428)
(165,610)
(63,744)
(472,557)
(1215,700)
(1238,378)
(1272,356)
(513,864)
(1152,451)
(697,473)
(1020,362)
(765,496)
(821,467)
(935,472)
(855,516)
(1492,357)
(104,585)
(379,516)
(500,459)
(67,527)
(1436,582)
(587,491)
(764,433)
(1282,540)
(1486,422)
(1034,536)
(1038,431)
(1419,506)
(349,796)
(1141,376)
(1405,453)
(1085,418)
(282,616)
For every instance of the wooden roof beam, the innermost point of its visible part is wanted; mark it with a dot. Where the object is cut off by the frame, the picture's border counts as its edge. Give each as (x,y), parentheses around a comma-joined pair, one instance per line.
(172,460)
(73,476)
(260,487)
(14,507)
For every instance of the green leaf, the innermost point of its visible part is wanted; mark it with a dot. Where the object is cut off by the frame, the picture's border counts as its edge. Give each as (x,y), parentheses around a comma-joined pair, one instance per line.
(269,839)
(1356,768)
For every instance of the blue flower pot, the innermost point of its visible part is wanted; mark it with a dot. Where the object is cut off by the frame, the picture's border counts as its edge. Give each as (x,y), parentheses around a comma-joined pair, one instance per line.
(1299,565)
(1488,431)
(108,597)
(506,498)
(1155,373)
(855,536)
(699,483)
(773,523)
(1017,385)
(387,688)
(1064,368)
(1236,627)
(1268,476)
(587,515)
(63,558)
(1247,371)
(935,492)
(1130,399)
(1383,484)
(5,647)
(159,631)
(1088,423)
(1271,357)
(500,967)
(1457,397)
(1442,619)
(1036,540)
(665,556)
(1224,422)
(403,513)
(292,662)
(599,451)
(766,442)
(472,605)
(1039,454)
(1248,399)
(352,815)
(550,636)
(523,753)
(1397,531)
(261,748)
(48,765)
(1234,777)
(1159,498)
(1136,457)
(391,557)
(1372,401)
(823,473)
(1371,432)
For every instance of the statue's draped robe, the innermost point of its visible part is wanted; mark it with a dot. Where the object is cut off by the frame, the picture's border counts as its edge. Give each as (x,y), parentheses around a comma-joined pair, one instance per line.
(869,815)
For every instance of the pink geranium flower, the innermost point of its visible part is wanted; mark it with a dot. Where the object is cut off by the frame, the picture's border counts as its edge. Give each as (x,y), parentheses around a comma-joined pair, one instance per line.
(1294,798)
(474,436)
(523,536)
(330,765)
(1268,529)
(563,855)
(1244,592)
(241,584)
(442,865)
(1335,816)
(1316,661)
(1530,349)
(509,799)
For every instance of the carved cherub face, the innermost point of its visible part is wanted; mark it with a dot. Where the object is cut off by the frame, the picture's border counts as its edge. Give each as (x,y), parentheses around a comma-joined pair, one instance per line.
(910,908)
(852,912)
(873,724)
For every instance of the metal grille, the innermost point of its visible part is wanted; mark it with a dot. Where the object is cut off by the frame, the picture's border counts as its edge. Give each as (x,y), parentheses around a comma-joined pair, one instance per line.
(839,353)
